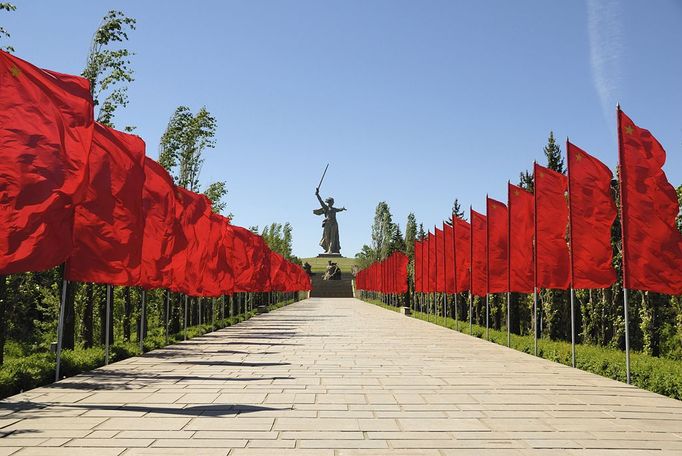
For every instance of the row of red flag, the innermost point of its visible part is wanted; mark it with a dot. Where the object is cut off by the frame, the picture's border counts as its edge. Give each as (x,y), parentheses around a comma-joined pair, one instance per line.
(560,236)
(77,192)
(387,276)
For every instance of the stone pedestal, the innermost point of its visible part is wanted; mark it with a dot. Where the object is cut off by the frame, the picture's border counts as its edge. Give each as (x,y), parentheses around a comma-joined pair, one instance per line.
(405,311)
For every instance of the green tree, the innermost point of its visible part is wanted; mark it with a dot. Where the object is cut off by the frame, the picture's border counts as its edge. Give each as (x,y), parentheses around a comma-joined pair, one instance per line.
(108,66)
(365,256)
(397,243)
(215,192)
(457,211)
(183,143)
(553,153)
(382,231)
(421,234)
(526,181)
(4,6)
(410,234)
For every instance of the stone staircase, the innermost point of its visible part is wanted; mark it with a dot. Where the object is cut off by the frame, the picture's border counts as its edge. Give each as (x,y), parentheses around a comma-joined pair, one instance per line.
(332,288)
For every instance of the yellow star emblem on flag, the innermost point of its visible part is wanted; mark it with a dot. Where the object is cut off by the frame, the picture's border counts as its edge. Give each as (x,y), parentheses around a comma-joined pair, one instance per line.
(628,129)
(516,193)
(578,156)
(15,71)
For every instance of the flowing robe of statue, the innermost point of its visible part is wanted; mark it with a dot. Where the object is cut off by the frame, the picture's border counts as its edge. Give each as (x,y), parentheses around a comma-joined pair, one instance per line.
(330,228)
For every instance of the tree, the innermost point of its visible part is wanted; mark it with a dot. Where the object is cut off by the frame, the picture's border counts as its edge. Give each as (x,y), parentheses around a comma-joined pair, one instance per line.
(108,68)
(410,234)
(365,256)
(4,6)
(182,145)
(279,239)
(526,181)
(215,192)
(382,231)
(553,153)
(456,211)
(397,243)
(421,234)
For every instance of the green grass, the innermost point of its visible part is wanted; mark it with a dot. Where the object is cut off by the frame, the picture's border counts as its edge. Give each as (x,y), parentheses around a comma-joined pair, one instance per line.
(22,372)
(320,264)
(659,375)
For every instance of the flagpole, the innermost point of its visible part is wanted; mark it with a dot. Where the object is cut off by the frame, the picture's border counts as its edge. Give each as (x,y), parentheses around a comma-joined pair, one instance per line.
(535,261)
(142,316)
(487,267)
(570,249)
(622,231)
(509,208)
(60,328)
(108,322)
(167,313)
(185,331)
(471,270)
(445,279)
(454,269)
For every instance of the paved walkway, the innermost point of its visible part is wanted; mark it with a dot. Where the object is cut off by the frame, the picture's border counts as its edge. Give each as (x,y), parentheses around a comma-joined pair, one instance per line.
(339,377)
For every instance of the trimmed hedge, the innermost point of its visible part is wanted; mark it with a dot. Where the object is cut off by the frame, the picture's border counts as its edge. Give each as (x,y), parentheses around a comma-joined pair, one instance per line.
(23,373)
(659,375)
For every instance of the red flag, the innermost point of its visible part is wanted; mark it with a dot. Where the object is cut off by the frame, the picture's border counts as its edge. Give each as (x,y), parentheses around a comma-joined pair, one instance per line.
(521,233)
(448,231)
(591,214)
(109,223)
(401,261)
(277,273)
(251,263)
(418,286)
(652,245)
(498,240)
(46,127)
(551,223)
(225,271)
(440,260)
(432,256)
(217,278)
(479,253)
(158,205)
(462,232)
(192,210)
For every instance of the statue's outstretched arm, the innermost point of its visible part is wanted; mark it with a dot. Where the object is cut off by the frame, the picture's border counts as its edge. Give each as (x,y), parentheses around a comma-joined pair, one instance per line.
(324,206)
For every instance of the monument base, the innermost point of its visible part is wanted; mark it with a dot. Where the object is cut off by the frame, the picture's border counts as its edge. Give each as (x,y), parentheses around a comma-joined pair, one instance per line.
(330,255)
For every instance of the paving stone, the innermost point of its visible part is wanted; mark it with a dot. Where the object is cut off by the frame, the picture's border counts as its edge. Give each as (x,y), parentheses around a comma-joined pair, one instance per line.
(345,379)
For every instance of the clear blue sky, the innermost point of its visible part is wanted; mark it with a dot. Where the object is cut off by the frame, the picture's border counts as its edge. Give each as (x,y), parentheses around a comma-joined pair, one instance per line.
(414,103)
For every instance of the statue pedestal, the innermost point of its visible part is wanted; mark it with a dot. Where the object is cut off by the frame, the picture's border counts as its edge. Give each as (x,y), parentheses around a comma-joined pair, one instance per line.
(329,255)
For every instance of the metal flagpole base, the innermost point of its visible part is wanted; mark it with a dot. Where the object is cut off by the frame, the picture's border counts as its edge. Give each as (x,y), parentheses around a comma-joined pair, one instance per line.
(508,319)
(627,335)
(142,317)
(535,319)
(167,313)
(487,316)
(185,331)
(471,319)
(108,322)
(60,330)
(572,327)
